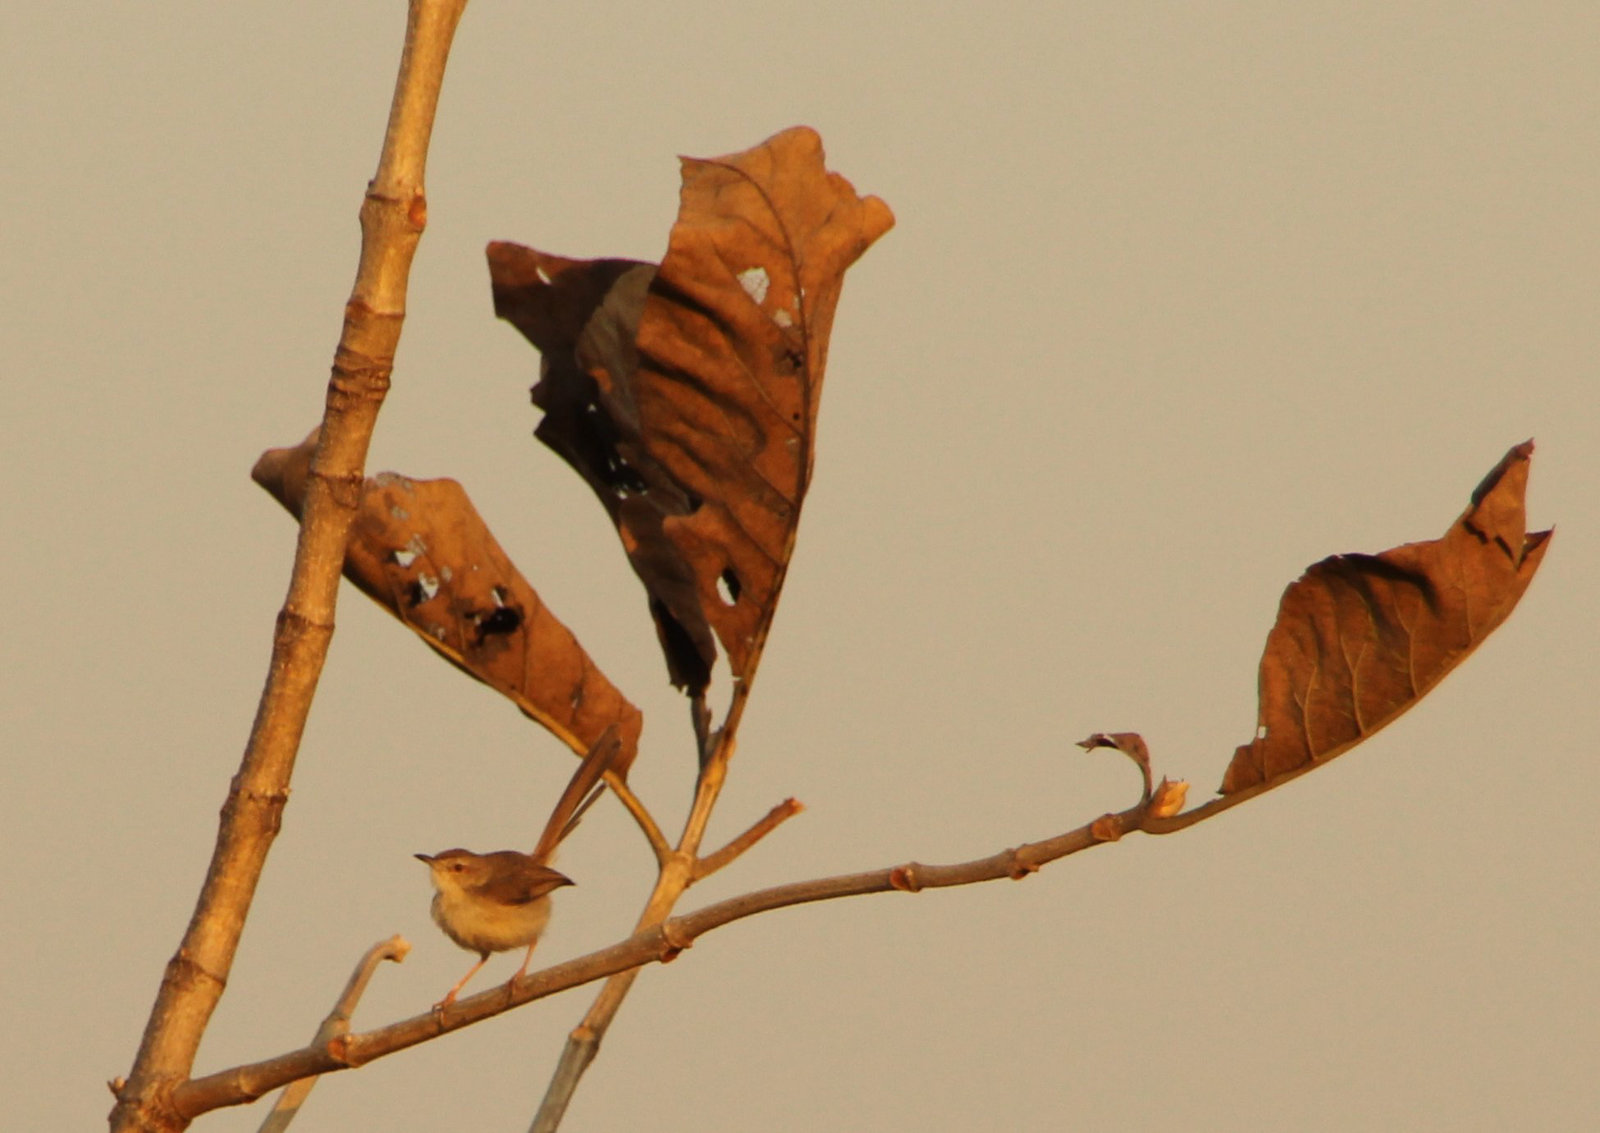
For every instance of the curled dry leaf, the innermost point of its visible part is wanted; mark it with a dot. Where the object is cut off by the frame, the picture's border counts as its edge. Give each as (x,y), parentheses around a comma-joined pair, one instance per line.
(687,395)
(1361,638)
(1130,744)
(421,551)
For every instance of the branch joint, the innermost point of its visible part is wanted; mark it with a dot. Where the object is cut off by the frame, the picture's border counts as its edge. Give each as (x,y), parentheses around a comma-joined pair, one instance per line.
(905,879)
(1019,867)
(676,941)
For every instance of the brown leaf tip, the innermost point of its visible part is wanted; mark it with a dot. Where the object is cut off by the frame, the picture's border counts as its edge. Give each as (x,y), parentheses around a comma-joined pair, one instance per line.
(1517,454)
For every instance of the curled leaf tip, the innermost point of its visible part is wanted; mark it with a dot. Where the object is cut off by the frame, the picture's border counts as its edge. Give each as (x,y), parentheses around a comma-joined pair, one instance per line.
(1130,744)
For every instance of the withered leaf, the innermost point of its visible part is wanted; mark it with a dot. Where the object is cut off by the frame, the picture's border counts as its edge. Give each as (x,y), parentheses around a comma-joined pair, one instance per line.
(687,395)
(421,551)
(1361,638)
(1130,744)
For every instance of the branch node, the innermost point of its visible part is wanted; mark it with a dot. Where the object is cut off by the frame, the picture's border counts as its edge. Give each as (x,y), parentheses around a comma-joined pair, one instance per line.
(1019,867)
(904,878)
(1106,828)
(185,961)
(338,1048)
(676,941)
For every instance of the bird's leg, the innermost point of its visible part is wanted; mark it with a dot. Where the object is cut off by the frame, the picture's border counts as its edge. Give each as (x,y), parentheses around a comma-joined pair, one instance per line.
(527,958)
(450,996)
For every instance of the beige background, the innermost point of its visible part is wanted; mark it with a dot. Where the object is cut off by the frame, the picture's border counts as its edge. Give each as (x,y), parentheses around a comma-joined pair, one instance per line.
(1182,298)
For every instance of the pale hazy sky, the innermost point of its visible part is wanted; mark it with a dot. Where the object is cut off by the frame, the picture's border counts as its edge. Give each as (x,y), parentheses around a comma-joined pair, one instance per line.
(1181,298)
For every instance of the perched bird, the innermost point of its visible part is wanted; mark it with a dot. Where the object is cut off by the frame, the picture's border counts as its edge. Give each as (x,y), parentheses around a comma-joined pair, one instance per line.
(498,901)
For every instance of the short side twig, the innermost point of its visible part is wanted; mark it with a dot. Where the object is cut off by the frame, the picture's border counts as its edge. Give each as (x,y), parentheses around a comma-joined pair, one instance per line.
(336,1025)
(774,818)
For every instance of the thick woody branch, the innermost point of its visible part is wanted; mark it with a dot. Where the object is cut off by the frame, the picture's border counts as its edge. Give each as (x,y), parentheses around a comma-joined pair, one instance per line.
(392,218)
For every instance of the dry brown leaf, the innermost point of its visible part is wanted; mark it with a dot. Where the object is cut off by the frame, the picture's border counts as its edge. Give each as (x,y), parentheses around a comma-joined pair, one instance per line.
(1130,744)
(1361,638)
(420,550)
(687,395)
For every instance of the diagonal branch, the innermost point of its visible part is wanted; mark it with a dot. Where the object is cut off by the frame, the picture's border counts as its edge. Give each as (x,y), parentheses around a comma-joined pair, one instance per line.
(393,215)
(657,943)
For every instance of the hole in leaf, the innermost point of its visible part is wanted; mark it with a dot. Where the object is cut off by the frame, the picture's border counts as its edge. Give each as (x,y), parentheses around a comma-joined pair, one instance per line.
(502,620)
(728,586)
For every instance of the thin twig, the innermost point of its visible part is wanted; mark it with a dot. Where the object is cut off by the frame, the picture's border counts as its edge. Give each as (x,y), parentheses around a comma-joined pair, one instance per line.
(641,816)
(393,215)
(287,1107)
(774,818)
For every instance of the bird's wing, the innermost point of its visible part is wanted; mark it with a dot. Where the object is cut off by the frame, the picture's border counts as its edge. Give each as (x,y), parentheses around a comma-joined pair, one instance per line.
(518,879)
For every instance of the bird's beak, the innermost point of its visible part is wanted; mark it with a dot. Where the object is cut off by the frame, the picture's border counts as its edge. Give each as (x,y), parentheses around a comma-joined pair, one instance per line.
(424,858)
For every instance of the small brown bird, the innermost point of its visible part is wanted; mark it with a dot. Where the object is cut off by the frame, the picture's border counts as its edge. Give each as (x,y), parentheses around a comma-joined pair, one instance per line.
(495,902)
